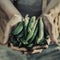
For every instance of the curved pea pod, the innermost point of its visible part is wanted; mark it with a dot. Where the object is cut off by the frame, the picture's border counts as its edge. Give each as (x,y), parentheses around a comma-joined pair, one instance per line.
(34,35)
(30,34)
(26,21)
(18,29)
(20,35)
(41,30)
(22,41)
(31,23)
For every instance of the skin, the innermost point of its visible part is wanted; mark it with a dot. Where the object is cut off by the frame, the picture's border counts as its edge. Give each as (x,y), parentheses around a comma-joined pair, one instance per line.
(15,17)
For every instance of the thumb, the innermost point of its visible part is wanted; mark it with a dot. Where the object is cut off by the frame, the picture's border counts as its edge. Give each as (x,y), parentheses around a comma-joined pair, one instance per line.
(13,21)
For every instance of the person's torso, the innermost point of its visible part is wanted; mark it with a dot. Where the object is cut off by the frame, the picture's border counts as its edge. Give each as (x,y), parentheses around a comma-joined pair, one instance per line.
(30,7)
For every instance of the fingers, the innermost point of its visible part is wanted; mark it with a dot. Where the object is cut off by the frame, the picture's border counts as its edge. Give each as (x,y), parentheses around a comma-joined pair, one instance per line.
(40,47)
(54,41)
(18,49)
(34,50)
(6,34)
(15,19)
(51,28)
(37,51)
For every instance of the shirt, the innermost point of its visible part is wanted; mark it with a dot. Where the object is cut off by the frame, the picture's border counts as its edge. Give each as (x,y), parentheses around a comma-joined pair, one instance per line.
(30,7)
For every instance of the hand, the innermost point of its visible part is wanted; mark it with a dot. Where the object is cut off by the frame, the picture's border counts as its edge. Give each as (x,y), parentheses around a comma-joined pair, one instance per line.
(13,21)
(50,27)
(34,50)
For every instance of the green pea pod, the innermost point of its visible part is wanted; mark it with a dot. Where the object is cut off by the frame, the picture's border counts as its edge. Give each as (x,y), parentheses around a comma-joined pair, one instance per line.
(20,35)
(30,34)
(34,35)
(31,23)
(18,29)
(41,30)
(26,21)
(22,41)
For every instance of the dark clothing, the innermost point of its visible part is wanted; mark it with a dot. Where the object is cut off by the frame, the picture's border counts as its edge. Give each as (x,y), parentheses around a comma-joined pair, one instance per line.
(31,7)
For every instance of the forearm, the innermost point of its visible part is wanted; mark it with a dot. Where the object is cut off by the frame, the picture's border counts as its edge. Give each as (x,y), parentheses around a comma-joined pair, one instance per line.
(51,5)
(9,8)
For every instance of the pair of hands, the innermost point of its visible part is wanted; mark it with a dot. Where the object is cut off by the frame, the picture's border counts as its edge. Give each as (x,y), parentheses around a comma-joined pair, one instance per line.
(16,19)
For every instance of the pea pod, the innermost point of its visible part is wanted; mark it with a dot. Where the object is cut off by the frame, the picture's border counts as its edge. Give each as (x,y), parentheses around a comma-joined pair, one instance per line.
(30,34)
(20,34)
(26,21)
(18,29)
(22,41)
(31,23)
(34,35)
(41,30)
